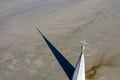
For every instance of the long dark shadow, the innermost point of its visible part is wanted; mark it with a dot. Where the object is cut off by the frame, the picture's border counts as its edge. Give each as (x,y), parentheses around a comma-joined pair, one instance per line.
(64,63)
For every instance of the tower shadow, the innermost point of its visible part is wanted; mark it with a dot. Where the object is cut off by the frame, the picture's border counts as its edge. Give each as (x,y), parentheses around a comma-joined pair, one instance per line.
(64,63)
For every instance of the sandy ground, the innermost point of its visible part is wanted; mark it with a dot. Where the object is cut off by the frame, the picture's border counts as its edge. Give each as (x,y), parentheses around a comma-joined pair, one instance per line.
(25,56)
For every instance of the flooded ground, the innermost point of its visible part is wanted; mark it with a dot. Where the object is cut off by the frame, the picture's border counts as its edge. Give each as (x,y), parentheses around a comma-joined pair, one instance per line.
(25,56)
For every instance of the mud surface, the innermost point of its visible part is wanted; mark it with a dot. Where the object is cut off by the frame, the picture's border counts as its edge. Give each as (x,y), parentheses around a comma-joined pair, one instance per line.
(24,54)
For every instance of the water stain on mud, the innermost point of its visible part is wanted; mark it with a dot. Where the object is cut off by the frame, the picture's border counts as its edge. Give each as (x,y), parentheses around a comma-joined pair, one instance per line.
(93,72)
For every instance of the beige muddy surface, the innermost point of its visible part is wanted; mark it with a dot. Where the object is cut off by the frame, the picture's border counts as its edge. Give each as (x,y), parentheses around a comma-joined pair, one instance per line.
(24,54)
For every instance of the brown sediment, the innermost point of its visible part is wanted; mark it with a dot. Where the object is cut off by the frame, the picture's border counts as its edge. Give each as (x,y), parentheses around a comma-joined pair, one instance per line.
(92,73)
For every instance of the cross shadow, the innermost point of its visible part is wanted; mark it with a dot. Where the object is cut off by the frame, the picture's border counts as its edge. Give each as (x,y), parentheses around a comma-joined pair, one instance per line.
(64,63)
